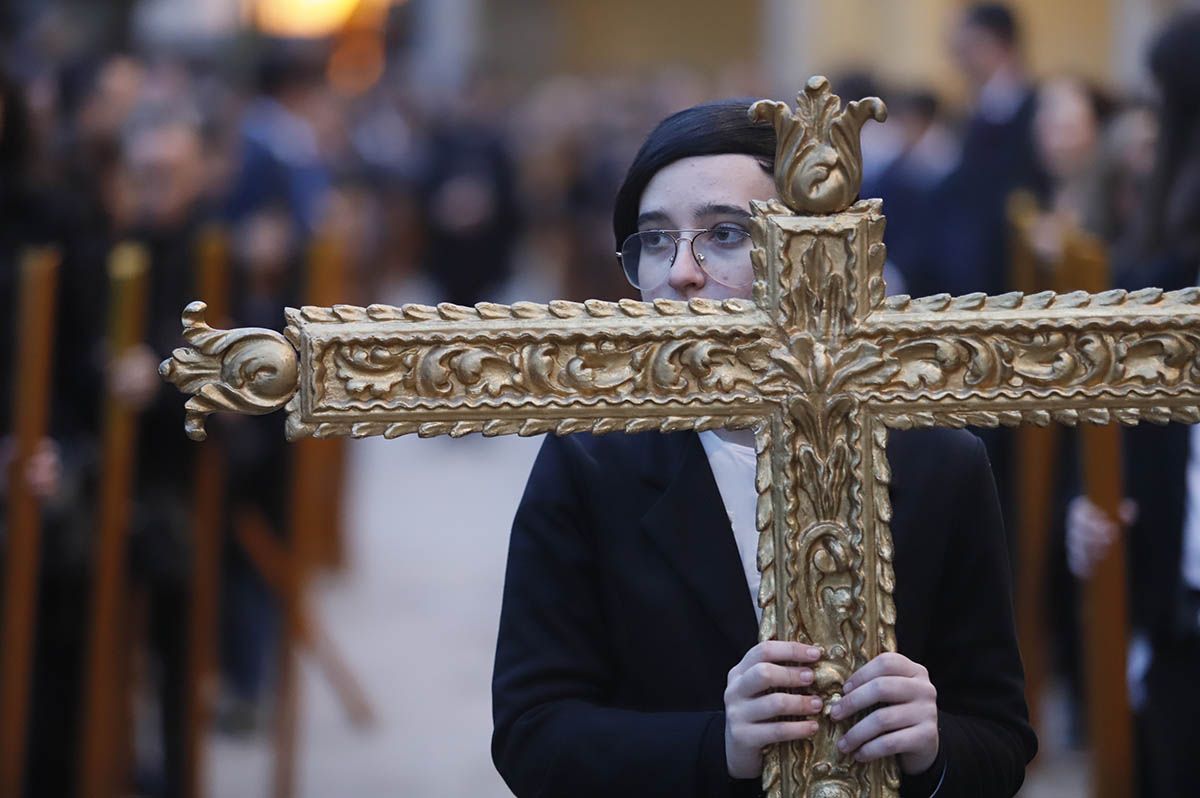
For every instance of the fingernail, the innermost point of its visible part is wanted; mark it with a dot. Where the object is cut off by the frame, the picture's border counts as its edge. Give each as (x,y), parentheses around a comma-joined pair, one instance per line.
(806,675)
(813,652)
(841,744)
(816,703)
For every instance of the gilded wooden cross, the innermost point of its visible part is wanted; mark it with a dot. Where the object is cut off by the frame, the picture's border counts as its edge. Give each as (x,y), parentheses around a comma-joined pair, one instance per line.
(820,364)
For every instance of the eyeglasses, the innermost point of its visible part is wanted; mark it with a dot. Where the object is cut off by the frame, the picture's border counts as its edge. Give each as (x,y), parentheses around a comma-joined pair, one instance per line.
(723,253)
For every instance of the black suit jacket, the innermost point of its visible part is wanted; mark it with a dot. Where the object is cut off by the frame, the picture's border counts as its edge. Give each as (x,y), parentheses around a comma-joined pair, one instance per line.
(625,607)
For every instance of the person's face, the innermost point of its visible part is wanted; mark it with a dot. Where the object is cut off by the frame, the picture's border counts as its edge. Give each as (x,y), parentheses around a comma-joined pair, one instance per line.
(700,193)
(1065,128)
(166,169)
(976,52)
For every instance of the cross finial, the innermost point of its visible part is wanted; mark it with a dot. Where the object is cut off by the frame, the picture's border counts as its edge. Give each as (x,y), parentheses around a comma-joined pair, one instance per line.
(818,154)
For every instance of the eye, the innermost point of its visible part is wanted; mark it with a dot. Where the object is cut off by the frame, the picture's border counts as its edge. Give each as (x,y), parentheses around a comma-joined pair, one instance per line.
(729,235)
(654,241)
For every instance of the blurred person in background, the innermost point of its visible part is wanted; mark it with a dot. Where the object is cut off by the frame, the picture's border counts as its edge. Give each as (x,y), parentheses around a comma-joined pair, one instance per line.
(1162,472)
(258,461)
(1069,125)
(279,159)
(163,161)
(907,184)
(1126,165)
(997,157)
(997,154)
(469,204)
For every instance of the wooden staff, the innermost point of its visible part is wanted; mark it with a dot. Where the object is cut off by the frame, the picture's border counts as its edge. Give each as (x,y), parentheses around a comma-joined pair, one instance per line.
(1105,613)
(316,470)
(100,776)
(212,280)
(1035,454)
(35,345)
(270,558)
(326,458)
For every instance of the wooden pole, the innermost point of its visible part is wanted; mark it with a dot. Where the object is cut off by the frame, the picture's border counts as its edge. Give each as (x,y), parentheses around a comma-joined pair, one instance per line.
(1034,462)
(212,280)
(35,345)
(100,777)
(1105,613)
(314,502)
(270,558)
(326,288)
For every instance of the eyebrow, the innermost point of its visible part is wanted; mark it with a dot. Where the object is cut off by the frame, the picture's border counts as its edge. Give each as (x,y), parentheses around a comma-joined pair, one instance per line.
(721,209)
(707,209)
(652,217)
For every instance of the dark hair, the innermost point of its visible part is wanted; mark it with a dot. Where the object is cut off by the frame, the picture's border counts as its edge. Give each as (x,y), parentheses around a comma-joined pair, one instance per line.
(1172,203)
(714,128)
(15,140)
(921,103)
(995,18)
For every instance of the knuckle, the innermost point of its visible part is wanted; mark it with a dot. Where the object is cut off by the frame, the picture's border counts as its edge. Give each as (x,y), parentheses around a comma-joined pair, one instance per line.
(761,673)
(894,719)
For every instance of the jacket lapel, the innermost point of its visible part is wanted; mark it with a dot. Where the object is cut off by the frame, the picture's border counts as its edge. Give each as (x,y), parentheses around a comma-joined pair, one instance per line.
(689,526)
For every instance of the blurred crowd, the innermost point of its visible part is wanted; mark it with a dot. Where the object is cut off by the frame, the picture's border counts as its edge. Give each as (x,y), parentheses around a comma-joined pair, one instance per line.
(499,191)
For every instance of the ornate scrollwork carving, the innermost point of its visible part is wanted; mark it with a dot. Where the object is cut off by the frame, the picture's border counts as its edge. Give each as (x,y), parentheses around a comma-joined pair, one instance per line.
(480,372)
(250,370)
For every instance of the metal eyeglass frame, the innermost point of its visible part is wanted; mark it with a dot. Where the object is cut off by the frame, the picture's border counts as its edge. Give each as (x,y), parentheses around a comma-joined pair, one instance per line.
(691,245)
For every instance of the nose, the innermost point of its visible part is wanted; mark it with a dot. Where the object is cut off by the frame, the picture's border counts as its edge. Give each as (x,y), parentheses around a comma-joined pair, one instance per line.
(685,273)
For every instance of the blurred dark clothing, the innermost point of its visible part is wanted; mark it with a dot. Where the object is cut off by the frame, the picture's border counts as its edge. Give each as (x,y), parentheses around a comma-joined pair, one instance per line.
(161,546)
(469,204)
(971,244)
(258,462)
(909,188)
(280,164)
(1170,733)
(998,157)
(1156,459)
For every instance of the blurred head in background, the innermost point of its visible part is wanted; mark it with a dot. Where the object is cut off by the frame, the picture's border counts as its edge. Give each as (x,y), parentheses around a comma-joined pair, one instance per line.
(1067,126)
(986,41)
(164,167)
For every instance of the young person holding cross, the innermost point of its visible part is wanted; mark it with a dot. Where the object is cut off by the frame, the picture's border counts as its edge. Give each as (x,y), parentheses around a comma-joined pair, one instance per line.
(627,661)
